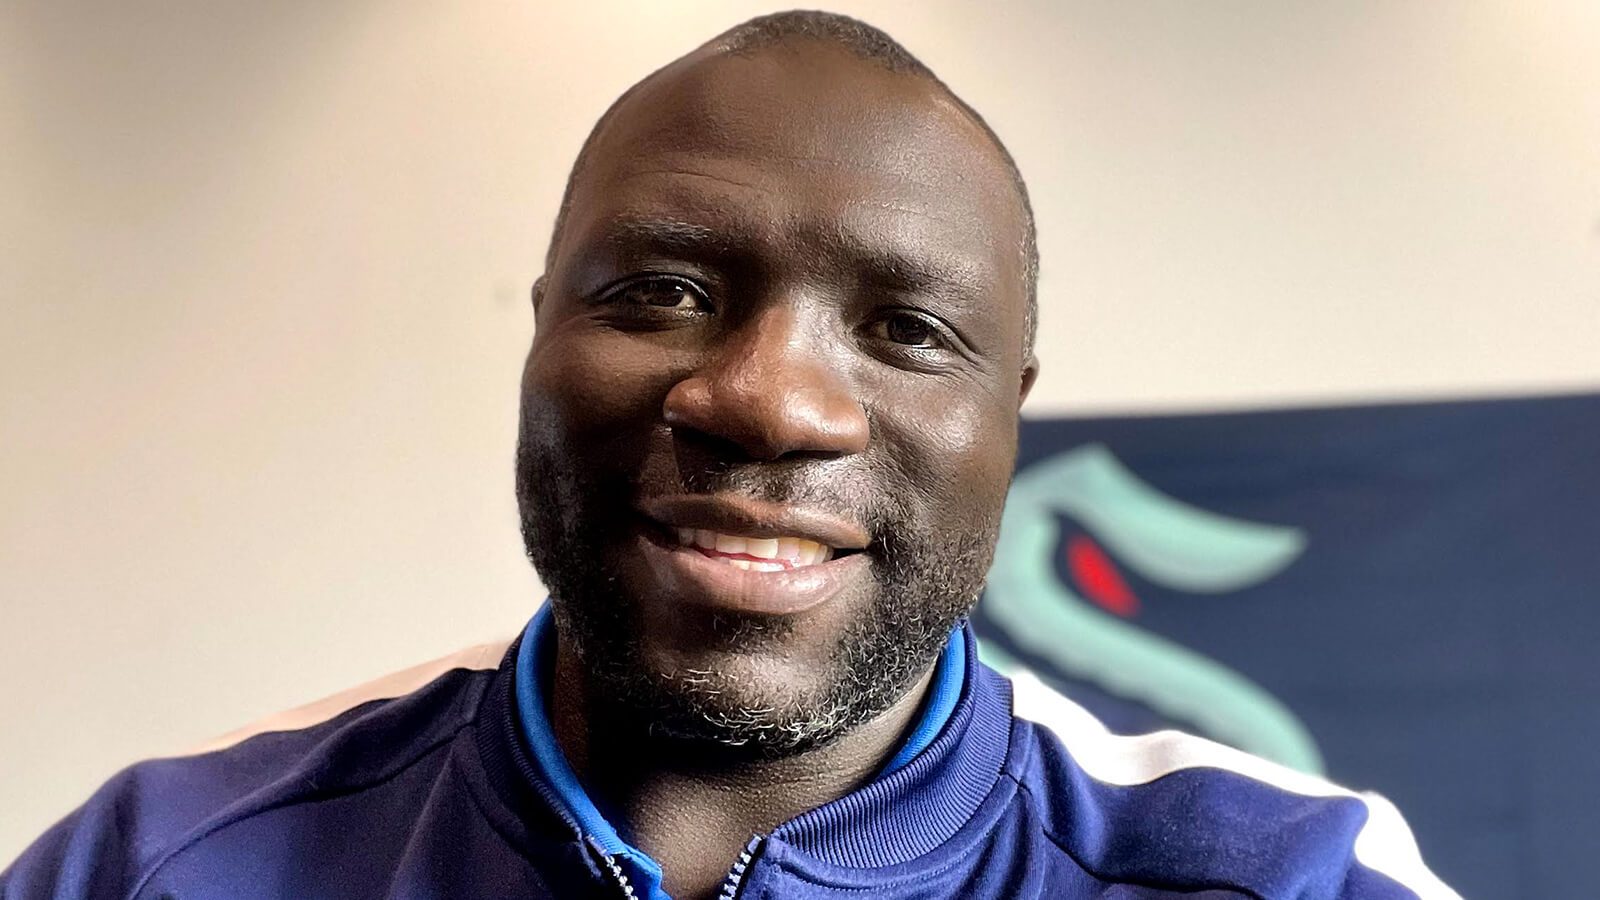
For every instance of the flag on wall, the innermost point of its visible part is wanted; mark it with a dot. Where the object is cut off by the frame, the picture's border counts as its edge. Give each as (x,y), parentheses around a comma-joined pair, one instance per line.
(1405,598)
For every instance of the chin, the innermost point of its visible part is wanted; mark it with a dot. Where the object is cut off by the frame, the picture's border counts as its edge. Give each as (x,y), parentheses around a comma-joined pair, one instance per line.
(761,703)
(700,679)
(732,679)
(766,706)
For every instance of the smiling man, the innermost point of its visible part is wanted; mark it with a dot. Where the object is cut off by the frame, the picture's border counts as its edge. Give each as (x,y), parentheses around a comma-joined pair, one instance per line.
(769,419)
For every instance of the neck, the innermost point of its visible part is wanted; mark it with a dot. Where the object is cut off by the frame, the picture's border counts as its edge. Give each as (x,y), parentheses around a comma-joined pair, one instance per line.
(695,813)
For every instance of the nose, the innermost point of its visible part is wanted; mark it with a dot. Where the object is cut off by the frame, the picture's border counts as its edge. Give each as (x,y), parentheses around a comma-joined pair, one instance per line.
(769,391)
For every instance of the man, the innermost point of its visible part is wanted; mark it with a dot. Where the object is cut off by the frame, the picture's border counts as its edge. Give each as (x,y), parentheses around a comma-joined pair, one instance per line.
(768,423)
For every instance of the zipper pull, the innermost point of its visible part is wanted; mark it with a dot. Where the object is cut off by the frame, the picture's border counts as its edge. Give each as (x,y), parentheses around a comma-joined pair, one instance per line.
(735,879)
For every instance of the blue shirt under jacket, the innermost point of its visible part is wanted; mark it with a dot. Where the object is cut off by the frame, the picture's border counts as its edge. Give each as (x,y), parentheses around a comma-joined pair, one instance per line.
(433,784)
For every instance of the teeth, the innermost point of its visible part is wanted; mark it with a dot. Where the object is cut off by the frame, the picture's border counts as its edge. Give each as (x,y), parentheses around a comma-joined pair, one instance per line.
(812,552)
(783,552)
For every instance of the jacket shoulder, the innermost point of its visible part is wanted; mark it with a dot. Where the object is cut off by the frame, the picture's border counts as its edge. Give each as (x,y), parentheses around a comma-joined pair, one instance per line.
(156,808)
(1176,811)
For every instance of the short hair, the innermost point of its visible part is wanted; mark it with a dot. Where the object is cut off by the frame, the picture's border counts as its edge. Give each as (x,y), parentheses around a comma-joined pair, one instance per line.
(869,44)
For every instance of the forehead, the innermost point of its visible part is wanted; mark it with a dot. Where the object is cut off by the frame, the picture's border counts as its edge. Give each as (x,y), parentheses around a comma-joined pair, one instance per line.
(805,145)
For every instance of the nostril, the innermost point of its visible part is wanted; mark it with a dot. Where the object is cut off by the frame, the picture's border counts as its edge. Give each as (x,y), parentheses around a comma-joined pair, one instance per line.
(702,455)
(770,411)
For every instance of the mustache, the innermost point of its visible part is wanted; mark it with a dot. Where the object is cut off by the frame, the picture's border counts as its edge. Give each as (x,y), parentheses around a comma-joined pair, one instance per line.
(872,499)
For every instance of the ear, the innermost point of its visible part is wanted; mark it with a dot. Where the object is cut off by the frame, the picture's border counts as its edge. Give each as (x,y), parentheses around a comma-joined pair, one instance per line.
(538,292)
(1030,374)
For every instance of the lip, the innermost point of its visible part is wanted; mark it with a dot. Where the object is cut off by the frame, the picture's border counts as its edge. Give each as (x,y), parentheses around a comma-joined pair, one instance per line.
(686,575)
(689,576)
(737,514)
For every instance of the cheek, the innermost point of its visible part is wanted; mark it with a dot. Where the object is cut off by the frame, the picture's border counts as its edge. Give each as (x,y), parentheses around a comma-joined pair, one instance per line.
(589,383)
(956,451)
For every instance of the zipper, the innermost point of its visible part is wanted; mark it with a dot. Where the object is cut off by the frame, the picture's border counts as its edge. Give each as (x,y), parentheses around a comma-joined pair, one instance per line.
(731,884)
(612,867)
(620,876)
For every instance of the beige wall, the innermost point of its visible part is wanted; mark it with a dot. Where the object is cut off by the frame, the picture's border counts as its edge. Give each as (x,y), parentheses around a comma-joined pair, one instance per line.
(263,270)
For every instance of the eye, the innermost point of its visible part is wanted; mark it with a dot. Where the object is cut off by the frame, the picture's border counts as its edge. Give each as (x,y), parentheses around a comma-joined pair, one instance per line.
(911,329)
(661,293)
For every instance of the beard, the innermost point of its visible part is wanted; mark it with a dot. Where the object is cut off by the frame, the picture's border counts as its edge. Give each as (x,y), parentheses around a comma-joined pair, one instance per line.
(926,579)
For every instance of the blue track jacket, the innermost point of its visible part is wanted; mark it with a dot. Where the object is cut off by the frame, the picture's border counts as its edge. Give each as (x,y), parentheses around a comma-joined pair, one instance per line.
(431,784)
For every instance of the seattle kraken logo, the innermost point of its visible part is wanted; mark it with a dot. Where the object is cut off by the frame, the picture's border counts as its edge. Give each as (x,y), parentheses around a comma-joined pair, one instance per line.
(1082,630)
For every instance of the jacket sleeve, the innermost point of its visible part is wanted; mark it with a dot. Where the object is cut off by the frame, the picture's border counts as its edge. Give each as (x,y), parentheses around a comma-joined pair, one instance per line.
(89,855)
(1385,844)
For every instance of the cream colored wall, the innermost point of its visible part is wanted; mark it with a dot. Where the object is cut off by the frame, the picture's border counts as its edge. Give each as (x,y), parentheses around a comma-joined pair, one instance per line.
(263,270)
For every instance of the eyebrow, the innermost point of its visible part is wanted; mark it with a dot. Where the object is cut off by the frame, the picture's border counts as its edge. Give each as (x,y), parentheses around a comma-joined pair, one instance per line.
(894,271)
(666,234)
(881,268)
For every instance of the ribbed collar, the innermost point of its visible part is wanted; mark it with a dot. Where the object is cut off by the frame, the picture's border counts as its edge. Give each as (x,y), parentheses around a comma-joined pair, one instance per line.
(932,785)
(908,812)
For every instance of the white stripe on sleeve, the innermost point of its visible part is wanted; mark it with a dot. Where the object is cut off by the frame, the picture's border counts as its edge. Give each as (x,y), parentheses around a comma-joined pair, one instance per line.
(1385,844)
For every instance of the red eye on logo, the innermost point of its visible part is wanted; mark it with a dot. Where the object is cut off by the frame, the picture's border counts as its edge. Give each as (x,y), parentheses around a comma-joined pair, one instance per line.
(1098,578)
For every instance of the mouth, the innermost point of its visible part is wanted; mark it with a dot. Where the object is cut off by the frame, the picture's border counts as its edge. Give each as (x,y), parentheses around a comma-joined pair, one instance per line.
(755,554)
(736,554)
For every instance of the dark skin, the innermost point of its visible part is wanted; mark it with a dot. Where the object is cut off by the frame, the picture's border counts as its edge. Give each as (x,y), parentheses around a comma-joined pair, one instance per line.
(792,262)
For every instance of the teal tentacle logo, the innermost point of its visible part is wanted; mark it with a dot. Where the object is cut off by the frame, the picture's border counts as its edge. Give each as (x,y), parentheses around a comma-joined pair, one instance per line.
(1165,541)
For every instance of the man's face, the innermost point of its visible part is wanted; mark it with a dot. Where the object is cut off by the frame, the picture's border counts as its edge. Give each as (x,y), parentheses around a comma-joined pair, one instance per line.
(769,416)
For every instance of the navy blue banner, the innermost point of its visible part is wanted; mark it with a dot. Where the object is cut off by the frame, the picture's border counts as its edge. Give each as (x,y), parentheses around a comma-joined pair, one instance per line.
(1405,598)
